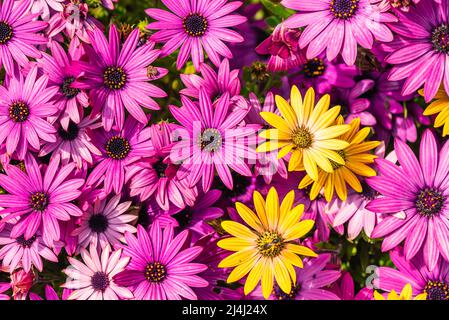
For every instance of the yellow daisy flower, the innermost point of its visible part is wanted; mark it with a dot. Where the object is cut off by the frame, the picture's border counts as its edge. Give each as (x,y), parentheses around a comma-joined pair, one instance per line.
(406,294)
(357,156)
(267,250)
(306,131)
(440,106)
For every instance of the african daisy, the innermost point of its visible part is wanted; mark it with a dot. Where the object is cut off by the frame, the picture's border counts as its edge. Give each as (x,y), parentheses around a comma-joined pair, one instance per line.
(267,249)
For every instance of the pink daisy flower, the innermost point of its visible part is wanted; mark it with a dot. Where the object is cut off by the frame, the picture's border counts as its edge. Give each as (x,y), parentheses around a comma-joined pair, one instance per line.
(118,78)
(415,195)
(45,7)
(51,294)
(212,140)
(160,269)
(19,34)
(40,198)
(74,142)
(24,106)
(339,25)
(17,252)
(69,100)
(105,223)
(94,279)
(157,174)
(195,25)
(119,150)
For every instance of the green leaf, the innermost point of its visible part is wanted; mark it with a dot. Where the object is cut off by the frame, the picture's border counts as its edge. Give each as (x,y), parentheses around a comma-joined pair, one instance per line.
(277,9)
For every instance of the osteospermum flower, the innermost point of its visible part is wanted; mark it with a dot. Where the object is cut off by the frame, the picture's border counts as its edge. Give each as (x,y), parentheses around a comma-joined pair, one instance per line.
(18,252)
(434,283)
(212,139)
(119,150)
(156,174)
(420,190)
(421,48)
(104,223)
(160,269)
(195,25)
(406,294)
(69,100)
(267,249)
(94,279)
(118,78)
(441,107)
(339,26)
(24,106)
(40,198)
(19,34)
(307,131)
(357,158)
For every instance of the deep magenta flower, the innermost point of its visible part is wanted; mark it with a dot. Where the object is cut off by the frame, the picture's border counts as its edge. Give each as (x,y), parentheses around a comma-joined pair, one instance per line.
(40,197)
(434,281)
(160,269)
(339,26)
(118,77)
(195,25)
(156,175)
(24,106)
(70,101)
(421,48)
(213,139)
(119,150)
(415,195)
(19,34)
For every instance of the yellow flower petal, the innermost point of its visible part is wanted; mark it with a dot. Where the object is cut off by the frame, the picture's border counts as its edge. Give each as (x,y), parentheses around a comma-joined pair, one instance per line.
(249,217)
(237,258)
(267,278)
(296,101)
(331,132)
(324,120)
(272,208)
(378,296)
(291,218)
(260,205)
(310,165)
(235,244)
(268,146)
(287,112)
(293,259)
(238,230)
(286,205)
(253,277)
(309,104)
(242,270)
(406,293)
(295,159)
(301,250)
(298,230)
(275,121)
(282,276)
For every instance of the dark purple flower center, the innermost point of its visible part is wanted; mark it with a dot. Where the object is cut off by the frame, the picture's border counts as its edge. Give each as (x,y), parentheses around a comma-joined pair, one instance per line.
(344,9)
(314,68)
(25,243)
(118,148)
(440,39)
(160,167)
(368,193)
(429,202)
(281,295)
(270,244)
(71,133)
(39,201)
(67,90)
(5,32)
(437,290)
(184,217)
(114,78)
(195,25)
(98,223)
(100,281)
(210,140)
(19,111)
(155,272)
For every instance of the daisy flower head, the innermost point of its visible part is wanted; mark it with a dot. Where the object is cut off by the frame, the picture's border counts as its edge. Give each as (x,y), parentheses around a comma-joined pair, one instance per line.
(160,268)
(24,106)
(357,158)
(40,197)
(406,294)
(212,138)
(306,131)
(120,149)
(267,249)
(439,106)
(93,279)
(19,34)
(196,25)
(421,49)
(156,175)
(18,252)
(338,26)
(104,223)
(415,200)
(117,77)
